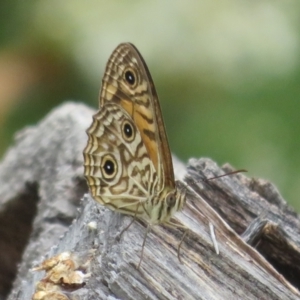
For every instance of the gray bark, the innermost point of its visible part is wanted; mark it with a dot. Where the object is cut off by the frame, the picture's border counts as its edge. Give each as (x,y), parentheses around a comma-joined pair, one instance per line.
(41,215)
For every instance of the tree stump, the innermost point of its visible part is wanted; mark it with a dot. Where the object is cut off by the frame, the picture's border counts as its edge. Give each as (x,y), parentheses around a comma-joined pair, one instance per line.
(42,215)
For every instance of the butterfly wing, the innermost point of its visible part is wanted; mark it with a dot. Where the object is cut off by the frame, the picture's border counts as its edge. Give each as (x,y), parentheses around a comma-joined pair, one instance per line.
(127,82)
(117,166)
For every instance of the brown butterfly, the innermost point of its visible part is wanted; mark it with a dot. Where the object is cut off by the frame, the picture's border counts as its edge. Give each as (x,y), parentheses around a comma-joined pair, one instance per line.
(127,160)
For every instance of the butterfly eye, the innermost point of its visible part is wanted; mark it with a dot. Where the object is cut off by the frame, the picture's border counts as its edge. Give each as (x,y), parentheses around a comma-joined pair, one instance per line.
(130,77)
(171,200)
(108,167)
(128,131)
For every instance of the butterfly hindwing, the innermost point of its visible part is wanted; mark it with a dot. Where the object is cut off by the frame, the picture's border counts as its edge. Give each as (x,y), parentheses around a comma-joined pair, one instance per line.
(117,166)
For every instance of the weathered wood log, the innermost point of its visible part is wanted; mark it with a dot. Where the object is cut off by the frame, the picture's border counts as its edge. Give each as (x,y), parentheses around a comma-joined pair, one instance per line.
(257,233)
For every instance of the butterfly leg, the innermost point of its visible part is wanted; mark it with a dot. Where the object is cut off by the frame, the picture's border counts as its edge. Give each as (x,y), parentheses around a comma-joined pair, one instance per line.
(180,243)
(186,230)
(131,222)
(127,227)
(143,246)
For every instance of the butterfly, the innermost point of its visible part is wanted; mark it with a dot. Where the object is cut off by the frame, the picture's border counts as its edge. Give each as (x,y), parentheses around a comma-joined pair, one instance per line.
(127,159)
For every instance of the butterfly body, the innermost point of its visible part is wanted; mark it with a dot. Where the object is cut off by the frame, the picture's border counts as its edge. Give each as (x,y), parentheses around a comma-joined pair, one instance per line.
(127,160)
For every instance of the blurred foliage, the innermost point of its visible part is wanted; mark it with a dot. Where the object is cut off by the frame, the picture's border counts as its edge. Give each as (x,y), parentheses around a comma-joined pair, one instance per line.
(227,73)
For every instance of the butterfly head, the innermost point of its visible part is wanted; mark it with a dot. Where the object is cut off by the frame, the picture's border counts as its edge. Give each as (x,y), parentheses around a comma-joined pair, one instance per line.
(169,202)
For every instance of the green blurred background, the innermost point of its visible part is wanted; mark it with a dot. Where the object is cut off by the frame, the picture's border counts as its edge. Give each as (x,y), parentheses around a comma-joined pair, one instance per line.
(227,72)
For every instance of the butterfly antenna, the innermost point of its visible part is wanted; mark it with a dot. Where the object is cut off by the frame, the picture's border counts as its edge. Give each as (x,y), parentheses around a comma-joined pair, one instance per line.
(227,174)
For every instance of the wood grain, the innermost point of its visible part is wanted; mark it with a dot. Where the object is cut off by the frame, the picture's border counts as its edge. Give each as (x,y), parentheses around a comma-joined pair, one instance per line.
(256,231)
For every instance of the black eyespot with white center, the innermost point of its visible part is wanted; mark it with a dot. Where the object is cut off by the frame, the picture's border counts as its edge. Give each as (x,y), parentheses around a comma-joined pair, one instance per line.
(128,131)
(109,167)
(130,77)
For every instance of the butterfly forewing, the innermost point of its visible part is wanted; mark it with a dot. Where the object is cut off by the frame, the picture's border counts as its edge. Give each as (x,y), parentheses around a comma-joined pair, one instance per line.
(128,83)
